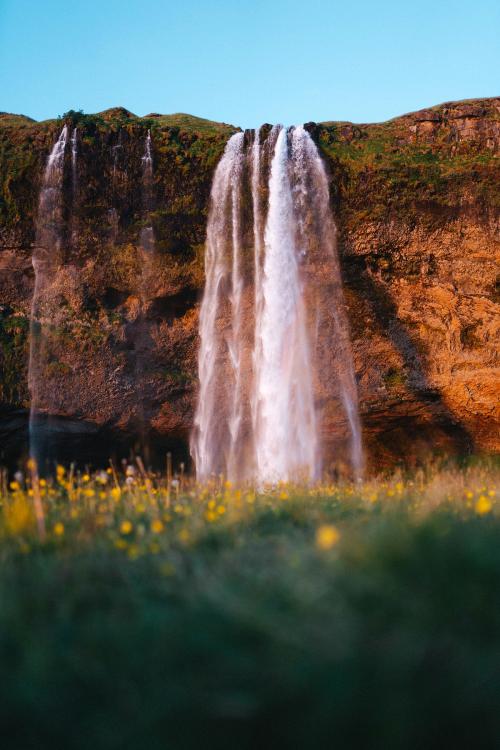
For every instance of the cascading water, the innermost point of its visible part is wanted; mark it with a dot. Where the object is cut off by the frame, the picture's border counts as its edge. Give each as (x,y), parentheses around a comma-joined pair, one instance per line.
(235,339)
(47,257)
(74,185)
(147,234)
(266,369)
(286,436)
(211,442)
(74,157)
(316,236)
(257,260)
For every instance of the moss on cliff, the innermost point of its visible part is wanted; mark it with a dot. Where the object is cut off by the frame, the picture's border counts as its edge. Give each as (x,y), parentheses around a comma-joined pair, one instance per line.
(426,164)
(13,358)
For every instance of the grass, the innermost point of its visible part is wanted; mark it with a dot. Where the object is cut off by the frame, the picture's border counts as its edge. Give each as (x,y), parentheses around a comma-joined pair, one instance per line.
(137,613)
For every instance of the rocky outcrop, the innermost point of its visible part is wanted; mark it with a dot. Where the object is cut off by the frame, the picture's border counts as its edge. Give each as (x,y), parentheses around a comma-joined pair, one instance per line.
(417,205)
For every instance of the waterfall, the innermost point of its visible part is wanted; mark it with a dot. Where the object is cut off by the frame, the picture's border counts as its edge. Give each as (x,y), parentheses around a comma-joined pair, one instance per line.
(139,330)
(275,359)
(257,260)
(235,338)
(210,441)
(74,186)
(116,151)
(147,238)
(74,156)
(47,257)
(286,433)
(312,201)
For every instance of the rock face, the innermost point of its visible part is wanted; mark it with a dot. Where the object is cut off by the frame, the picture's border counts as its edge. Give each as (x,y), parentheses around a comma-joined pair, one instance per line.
(417,206)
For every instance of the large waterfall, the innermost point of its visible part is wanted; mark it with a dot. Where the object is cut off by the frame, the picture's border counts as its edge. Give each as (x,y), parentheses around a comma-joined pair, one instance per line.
(47,257)
(274,351)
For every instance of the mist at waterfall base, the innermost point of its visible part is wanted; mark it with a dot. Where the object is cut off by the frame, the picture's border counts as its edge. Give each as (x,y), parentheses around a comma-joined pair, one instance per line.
(274,356)
(274,342)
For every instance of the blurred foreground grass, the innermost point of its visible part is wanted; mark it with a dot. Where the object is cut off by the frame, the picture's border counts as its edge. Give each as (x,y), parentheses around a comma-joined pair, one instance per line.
(140,614)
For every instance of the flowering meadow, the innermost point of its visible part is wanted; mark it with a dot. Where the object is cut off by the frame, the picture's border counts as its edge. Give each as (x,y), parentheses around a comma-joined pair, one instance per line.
(140,610)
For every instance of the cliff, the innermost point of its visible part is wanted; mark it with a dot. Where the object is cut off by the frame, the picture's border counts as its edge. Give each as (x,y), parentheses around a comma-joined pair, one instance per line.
(417,205)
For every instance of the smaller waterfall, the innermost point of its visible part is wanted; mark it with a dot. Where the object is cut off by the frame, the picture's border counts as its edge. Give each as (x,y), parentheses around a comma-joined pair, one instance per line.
(147,235)
(140,329)
(116,151)
(74,186)
(47,257)
(74,157)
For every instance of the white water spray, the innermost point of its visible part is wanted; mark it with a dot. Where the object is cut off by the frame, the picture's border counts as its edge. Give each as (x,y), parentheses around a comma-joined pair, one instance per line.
(286,433)
(211,442)
(235,338)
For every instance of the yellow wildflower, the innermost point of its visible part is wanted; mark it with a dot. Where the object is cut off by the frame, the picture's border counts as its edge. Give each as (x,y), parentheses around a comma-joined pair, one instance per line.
(327,536)
(483,505)
(59,529)
(126,527)
(14,486)
(115,493)
(19,516)
(157,526)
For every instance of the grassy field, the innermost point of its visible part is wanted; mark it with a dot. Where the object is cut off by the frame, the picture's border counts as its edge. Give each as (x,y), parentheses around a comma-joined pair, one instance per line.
(137,616)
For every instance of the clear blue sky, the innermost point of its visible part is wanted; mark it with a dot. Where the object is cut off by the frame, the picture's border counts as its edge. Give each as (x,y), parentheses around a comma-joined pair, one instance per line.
(247,62)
